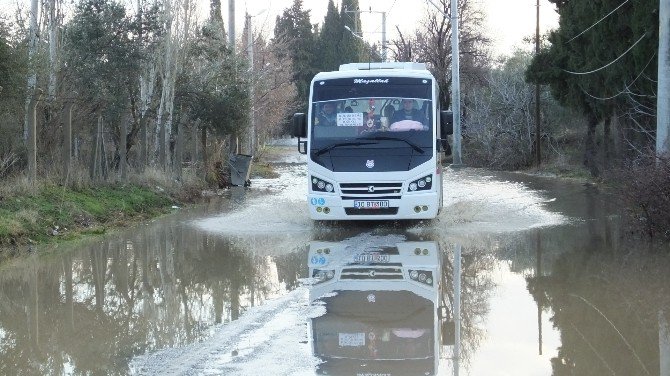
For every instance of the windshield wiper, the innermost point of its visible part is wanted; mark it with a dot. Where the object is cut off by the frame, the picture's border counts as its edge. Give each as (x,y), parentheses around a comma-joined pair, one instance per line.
(337,145)
(380,138)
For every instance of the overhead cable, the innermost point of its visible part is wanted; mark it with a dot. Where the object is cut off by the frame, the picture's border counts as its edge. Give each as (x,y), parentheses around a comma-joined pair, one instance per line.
(597,22)
(611,62)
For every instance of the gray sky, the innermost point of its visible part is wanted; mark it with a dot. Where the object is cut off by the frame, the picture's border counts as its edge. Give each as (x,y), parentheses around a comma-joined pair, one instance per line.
(508,21)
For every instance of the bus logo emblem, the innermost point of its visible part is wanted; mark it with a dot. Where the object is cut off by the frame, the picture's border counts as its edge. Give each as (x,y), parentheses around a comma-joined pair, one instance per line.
(370,163)
(371,188)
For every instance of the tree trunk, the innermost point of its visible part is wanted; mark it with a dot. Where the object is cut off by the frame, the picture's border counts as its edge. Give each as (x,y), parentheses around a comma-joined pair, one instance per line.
(67,141)
(122,149)
(143,143)
(53,49)
(607,143)
(179,150)
(590,151)
(32,140)
(203,139)
(32,77)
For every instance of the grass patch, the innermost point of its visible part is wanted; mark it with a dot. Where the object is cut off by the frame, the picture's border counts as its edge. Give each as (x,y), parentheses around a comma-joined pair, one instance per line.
(260,170)
(52,212)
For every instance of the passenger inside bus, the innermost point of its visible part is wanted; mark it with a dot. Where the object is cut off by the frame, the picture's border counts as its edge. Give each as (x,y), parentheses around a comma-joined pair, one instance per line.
(328,115)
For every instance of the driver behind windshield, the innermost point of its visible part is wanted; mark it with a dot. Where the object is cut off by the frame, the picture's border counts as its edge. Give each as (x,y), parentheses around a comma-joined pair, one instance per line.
(408,113)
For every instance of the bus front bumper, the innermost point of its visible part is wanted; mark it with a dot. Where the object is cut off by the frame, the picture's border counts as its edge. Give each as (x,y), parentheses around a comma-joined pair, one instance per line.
(411,206)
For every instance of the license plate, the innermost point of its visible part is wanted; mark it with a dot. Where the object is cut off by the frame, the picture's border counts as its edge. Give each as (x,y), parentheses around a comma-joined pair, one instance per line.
(365,258)
(351,339)
(378,204)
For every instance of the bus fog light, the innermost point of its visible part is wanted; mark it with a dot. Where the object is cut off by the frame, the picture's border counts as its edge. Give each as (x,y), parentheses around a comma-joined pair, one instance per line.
(318,209)
(417,251)
(417,209)
(424,208)
(326,210)
(425,251)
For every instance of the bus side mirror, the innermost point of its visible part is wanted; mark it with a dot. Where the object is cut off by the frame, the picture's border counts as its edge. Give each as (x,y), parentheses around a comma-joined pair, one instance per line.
(299,128)
(448,329)
(446,123)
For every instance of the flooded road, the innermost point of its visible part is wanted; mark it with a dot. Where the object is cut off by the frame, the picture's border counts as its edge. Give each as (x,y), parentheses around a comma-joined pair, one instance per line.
(540,270)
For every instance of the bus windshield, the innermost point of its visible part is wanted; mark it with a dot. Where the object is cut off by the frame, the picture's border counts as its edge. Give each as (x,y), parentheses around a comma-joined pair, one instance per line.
(379,109)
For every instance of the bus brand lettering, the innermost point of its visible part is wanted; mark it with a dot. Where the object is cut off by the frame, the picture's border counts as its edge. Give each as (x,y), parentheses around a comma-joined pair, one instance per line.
(375,81)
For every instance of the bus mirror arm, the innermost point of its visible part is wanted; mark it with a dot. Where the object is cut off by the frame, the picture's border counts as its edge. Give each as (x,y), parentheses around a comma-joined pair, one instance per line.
(443,145)
(302,146)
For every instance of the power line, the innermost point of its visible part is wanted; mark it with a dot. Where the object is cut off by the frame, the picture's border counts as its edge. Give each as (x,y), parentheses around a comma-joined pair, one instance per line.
(627,87)
(597,22)
(611,62)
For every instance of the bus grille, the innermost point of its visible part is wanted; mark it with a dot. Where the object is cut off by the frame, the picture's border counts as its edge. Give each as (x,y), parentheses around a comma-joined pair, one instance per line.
(378,273)
(371,189)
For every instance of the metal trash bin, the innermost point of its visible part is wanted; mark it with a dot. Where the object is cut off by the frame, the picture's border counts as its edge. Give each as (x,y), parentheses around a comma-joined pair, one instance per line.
(239,169)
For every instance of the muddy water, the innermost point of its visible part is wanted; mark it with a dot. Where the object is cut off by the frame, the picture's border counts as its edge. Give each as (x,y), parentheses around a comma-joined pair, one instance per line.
(549,284)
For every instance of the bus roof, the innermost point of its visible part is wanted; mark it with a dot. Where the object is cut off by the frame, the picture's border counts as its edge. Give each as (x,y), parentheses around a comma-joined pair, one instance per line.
(396,69)
(391,65)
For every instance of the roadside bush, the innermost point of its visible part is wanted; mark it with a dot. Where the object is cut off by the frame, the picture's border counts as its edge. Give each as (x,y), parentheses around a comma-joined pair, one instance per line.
(644,187)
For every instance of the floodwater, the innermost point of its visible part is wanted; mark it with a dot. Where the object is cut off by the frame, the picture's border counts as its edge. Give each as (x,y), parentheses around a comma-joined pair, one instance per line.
(539,271)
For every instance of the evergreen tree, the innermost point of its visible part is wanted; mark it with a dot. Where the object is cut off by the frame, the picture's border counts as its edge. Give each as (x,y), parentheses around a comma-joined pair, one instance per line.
(603,64)
(352,49)
(330,39)
(293,32)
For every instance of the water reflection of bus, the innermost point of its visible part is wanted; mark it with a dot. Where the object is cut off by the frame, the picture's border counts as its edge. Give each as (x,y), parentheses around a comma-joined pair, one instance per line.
(381,307)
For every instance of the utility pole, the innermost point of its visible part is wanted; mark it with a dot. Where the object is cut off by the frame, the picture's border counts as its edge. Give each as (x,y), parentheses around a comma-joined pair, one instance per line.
(233,147)
(538,153)
(663,98)
(455,84)
(231,25)
(250,53)
(455,81)
(383,28)
(383,36)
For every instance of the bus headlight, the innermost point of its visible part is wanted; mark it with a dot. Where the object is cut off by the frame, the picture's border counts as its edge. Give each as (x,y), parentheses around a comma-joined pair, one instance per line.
(319,185)
(321,276)
(423,184)
(423,276)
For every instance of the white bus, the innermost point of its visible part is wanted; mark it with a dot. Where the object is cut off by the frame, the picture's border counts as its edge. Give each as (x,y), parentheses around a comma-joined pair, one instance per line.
(373,136)
(382,308)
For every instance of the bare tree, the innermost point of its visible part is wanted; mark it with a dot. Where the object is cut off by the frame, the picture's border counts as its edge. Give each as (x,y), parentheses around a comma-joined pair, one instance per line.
(32,75)
(430,44)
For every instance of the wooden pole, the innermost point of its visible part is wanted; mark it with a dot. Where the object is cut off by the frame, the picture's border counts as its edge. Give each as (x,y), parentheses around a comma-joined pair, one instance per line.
(538,153)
